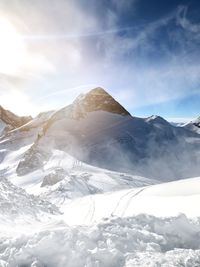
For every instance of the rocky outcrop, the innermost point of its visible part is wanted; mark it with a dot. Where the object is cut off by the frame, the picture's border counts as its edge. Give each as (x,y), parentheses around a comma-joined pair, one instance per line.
(97,100)
(33,160)
(53,177)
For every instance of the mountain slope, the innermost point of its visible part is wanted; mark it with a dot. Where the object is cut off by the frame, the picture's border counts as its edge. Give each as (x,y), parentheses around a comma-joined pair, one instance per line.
(64,177)
(17,206)
(9,120)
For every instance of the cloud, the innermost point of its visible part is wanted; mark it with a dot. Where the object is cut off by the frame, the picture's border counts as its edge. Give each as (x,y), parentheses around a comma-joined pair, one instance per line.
(154,72)
(18,102)
(71,45)
(184,22)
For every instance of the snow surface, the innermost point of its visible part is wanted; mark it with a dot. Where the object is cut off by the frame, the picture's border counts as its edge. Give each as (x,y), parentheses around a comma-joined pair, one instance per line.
(102,219)
(128,228)
(124,242)
(58,211)
(163,200)
(19,208)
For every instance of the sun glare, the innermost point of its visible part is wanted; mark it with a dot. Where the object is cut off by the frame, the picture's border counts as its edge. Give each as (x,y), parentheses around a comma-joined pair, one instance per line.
(12,48)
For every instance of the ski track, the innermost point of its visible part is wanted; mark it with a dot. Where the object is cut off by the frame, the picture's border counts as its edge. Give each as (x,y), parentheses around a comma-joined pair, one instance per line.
(89,217)
(123,197)
(91,210)
(119,201)
(130,199)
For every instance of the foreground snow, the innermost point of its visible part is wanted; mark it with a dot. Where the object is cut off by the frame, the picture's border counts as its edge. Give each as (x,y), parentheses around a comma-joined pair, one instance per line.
(102,230)
(136,241)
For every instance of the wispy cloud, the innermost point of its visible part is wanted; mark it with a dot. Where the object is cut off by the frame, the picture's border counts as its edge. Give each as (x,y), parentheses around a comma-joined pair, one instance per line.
(184,22)
(70,45)
(147,79)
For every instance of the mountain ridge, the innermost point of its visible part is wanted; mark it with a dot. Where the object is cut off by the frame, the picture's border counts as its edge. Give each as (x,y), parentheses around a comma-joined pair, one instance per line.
(12,121)
(113,140)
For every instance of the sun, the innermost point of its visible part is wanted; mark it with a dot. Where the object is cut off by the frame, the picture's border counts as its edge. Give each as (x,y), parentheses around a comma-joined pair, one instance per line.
(12,48)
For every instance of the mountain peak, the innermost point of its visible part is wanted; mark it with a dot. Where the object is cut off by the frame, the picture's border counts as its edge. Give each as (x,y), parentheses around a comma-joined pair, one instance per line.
(98,100)
(98,90)
(157,119)
(197,122)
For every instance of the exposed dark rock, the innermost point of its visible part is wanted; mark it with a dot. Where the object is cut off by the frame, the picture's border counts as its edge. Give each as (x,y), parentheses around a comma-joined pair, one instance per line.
(97,100)
(54,177)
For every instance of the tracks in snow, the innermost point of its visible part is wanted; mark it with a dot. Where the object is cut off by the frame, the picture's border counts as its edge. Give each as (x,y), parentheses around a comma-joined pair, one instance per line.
(130,199)
(91,211)
(120,208)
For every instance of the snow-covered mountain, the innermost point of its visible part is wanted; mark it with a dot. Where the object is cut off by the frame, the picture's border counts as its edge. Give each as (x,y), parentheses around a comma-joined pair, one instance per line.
(97,130)
(193,125)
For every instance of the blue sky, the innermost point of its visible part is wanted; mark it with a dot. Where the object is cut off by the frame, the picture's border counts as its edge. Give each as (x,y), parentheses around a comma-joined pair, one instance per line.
(145,53)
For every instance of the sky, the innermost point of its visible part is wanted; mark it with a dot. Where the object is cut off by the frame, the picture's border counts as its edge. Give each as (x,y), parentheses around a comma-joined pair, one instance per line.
(146,54)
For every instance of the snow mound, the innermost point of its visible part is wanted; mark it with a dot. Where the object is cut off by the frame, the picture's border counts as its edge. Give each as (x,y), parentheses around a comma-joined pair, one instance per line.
(136,241)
